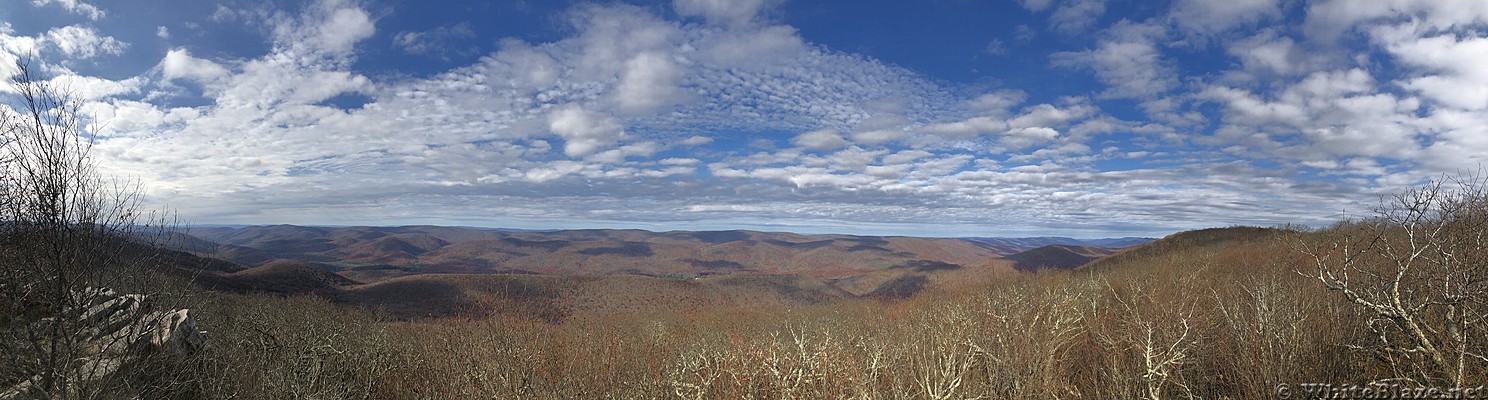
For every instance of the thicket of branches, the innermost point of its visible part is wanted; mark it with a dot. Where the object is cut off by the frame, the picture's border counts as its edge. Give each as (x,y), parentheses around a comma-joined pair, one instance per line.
(1417,271)
(68,237)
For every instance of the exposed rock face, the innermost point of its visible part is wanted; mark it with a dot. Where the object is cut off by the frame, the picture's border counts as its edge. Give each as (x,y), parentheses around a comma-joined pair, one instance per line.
(175,331)
(116,330)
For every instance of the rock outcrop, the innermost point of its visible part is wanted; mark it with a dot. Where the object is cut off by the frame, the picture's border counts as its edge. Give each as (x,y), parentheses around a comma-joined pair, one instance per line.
(112,331)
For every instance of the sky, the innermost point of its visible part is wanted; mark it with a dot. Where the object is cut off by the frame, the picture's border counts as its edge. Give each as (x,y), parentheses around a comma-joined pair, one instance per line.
(1082,118)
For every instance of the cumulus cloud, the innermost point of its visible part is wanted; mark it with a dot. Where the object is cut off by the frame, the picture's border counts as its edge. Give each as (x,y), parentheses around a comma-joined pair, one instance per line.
(999,101)
(179,64)
(649,81)
(1075,16)
(1328,20)
(697,141)
(1327,115)
(330,26)
(73,6)
(1215,16)
(965,128)
(824,139)
(432,42)
(1023,137)
(1128,61)
(751,48)
(1036,5)
(11,49)
(995,47)
(89,88)
(877,136)
(82,42)
(1267,54)
(1454,65)
(583,132)
(733,12)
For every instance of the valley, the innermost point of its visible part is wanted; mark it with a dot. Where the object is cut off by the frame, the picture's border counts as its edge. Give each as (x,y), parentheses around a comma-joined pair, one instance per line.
(431,271)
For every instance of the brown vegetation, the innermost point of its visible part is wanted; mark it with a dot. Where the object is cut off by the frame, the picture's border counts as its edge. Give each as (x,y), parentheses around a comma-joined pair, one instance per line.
(1203,318)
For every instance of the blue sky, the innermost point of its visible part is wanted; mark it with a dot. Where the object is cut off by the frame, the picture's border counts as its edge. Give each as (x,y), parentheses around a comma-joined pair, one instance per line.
(1083,118)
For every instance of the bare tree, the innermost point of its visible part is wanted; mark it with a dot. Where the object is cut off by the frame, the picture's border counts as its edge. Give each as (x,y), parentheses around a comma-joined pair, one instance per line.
(69,237)
(1418,270)
(1157,337)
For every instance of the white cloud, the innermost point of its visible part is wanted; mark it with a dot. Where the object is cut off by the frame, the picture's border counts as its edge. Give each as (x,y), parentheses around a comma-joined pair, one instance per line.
(1128,61)
(583,132)
(998,102)
(697,141)
(906,156)
(1075,16)
(162,32)
(610,37)
(1452,66)
(82,42)
(679,161)
(329,26)
(73,6)
(823,139)
(1036,5)
(733,12)
(432,42)
(8,69)
(618,155)
(1050,115)
(223,14)
(88,88)
(1024,137)
(1268,54)
(877,136)
(1216,16)
(11,50)
(750,48)
(969,127)
(1329,19)
(1326,115)
(648,82)
(179,64)
(995,47)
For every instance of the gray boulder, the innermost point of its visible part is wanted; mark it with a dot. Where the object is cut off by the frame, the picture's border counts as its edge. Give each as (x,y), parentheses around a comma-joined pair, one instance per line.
(115,330)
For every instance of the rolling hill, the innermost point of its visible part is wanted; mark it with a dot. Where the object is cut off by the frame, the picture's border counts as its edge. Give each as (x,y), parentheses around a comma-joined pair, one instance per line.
(1057,256)
(1189,241)
(421,271)
(375,253)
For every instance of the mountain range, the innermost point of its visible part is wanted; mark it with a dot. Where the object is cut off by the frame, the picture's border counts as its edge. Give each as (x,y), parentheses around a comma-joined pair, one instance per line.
(435,270)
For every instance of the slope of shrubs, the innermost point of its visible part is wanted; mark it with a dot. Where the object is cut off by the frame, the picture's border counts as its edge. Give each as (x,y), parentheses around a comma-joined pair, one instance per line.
(1219,319)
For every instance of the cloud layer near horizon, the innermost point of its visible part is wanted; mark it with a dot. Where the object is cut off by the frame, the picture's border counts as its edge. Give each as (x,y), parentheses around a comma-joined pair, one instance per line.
(709,115)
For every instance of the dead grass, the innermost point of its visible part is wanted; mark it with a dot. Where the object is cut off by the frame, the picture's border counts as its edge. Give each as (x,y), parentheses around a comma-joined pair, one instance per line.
(1225,319)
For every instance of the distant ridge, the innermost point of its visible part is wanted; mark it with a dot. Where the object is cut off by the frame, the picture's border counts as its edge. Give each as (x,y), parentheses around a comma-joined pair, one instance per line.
(424,270)
(1027,243)
(1057,256)
(374,253)
(1188,240)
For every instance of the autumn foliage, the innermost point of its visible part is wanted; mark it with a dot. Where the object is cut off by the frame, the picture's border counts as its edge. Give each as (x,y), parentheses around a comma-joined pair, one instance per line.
(1230,312)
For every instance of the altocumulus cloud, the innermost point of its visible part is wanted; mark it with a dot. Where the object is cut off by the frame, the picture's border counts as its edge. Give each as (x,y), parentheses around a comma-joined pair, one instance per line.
(702,114)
